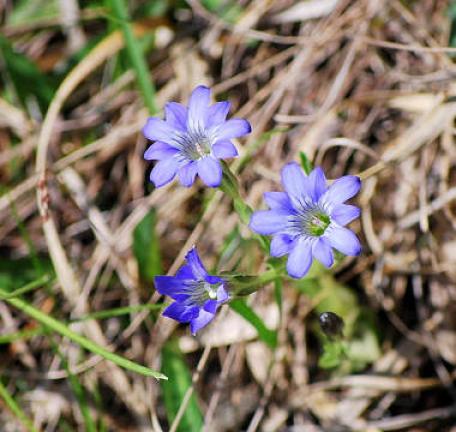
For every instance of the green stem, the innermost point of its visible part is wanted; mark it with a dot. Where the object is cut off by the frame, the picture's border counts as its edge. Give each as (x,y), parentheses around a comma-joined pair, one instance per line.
(58,327)
(136,56)
(16,409)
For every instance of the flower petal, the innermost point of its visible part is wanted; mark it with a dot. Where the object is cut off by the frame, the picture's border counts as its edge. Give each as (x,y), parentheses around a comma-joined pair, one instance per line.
(217,113)
(187,174)
(322,251)
(159,150)
(158,130)
(296,185)
(222,295)
(317,181)
(176,115)
(224,149)
(341,190)
(268,222)
(277,200)
(202,320)
(210,171)
(233,128)
(197,266)
(300,259)
(181,312)
(210,306)
(197,108)
(185,273)
(281,245)
(343,240)
(164,171)
(345,213)
(171,286)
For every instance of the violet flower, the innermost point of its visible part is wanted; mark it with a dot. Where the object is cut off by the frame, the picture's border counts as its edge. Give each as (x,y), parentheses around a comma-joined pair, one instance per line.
(197,294)
(308,219)
(192,140)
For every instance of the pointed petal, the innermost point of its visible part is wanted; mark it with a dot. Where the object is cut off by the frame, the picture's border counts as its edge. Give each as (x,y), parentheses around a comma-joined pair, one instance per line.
(197,108)
(300,259)
(317,181)
(187,174)
(185,273)
(164,171)
(233,128)
(268,222)
(217,113)
(277,200)
(296,185)
(176,115)
(281,245)
(222,295)
(158,130)
(224,149)
(210,171)
(321,250)
(210,306)
(172,286)
(345,213)
(197,266)
(202,320)
(343,240)
(180,312)
(341,190)
(159,150)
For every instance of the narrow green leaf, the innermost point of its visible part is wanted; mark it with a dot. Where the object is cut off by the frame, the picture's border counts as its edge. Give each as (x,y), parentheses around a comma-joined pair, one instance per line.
(26,288)
(58,327)
(306,164)
(146,248)
(266,335)
(136,56)
(15,408)
(174,390)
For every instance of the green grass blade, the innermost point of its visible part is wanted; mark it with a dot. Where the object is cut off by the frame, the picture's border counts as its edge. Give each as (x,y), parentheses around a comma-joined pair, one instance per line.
(26,288)
(266,335)
(135,55)
(58,327)
(174,390)
(110,313)
(16,409)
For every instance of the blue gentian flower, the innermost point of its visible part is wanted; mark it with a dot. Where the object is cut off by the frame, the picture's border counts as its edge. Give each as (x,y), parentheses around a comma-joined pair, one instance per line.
(197,294)
(308,219)
(192,140)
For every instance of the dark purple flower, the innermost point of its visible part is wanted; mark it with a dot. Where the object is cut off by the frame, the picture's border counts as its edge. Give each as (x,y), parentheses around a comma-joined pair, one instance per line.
(197,294)
(308,219)
(192,140)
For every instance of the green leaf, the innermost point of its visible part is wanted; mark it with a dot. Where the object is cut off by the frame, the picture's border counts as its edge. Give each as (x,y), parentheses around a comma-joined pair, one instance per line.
(333,353)
(27,79)
(146,248)
(306,164)
(57,326)
(176,369)
(266,335)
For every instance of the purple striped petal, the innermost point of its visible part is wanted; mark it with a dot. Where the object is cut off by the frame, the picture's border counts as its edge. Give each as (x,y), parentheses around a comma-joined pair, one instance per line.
(172,286)
(345,213)
(164,171)
(158,130)
(202,320)
(281,245)
(268,222)
(197,266)
(233,128)
(343,240)
(224,149)
(217,113)
(300,259)
(321,250)
(210,171)
(197,108)
(180,312)
(341,190)
(278,200)
(296,185)
(317,181)
(187,174)
(159,150)
(176,115)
